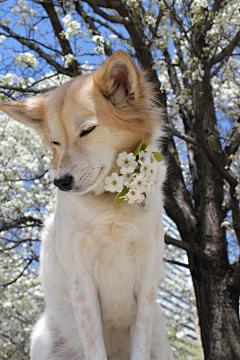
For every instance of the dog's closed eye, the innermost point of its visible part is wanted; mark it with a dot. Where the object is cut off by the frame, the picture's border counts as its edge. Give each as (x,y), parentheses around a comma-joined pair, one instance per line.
(55,143)
(87,131)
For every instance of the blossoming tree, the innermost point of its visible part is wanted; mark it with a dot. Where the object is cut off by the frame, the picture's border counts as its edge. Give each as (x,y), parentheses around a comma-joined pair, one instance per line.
(191,52)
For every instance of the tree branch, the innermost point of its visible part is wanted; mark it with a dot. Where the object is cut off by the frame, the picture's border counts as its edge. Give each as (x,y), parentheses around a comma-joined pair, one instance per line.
(109,4)
(235,212)
(172,73)
(178,204)
(234,142)
(14,280)
(182,64)
(225,52)
(196,250)
(38,50)
(176,263)
(90,21)
(24,220)
(215,8)
(27,90)
(58,30)
(214,159)
(110,28)
(181,135)
(210,154)
(112,19)
(30,179)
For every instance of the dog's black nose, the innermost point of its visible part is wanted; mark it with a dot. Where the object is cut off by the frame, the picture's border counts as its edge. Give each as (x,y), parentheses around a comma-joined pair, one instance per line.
(64,183)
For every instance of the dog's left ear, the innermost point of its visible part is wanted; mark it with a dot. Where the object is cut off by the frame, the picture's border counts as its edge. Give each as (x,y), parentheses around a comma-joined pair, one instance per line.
(30,111)
(119,79)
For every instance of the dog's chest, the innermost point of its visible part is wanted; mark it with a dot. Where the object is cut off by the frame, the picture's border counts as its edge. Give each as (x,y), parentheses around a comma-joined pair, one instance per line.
(113,252)
(108,251)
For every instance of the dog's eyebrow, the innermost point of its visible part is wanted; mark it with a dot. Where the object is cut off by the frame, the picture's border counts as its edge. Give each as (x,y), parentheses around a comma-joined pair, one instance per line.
(91,121)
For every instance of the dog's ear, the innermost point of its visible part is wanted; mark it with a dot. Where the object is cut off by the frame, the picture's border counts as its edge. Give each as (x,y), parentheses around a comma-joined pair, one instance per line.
(118,80)
(30,111)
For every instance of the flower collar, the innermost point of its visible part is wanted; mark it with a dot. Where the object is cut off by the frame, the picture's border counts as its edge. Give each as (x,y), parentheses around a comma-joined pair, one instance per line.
(138,175)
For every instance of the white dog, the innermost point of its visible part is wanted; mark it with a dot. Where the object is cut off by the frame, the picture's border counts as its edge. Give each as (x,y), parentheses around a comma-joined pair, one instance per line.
(101,262)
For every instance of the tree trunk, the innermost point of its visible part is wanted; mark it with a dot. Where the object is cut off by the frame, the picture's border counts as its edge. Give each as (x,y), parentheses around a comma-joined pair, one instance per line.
(217,303)
(217,299)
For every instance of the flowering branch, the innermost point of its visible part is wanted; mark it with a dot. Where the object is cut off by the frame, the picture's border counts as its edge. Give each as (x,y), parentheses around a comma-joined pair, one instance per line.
(14,280)
(18,223)
(58,30)
(112,19)
(38,50)
(226,51)
(90,21)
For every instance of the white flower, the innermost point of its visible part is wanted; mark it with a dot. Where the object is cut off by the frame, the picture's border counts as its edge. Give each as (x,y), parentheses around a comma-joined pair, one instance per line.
(114,183)
(113,37)
(70,5)
(73,29)
(6,21)
(127,174)
(59,11)
(26,59)
(86,67)
(225,223)
(2,38)
(144,158)
(126,160)
(16,9)
(134,196)
(152,159)
(97,39)
(139,183)
(66,20)
(237,191)
(153,170)
(150,186)
(67,60)
(145,170)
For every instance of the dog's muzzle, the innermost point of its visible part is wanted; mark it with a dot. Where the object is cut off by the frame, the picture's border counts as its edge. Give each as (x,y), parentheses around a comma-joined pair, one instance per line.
(64,183)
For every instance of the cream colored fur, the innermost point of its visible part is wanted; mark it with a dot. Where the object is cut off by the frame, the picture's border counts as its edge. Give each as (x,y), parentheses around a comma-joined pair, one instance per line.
(101,262)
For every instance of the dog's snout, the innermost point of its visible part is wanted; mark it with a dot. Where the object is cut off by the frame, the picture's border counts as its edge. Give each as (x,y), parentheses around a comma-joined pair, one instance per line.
(64,183)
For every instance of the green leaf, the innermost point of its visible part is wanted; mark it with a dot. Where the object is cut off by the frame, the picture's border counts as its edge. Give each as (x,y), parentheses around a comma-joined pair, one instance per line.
(158,156)
(141,146)
(119,196)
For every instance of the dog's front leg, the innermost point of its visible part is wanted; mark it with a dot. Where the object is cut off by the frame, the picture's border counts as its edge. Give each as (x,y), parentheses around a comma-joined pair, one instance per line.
(88,315)
(142,328)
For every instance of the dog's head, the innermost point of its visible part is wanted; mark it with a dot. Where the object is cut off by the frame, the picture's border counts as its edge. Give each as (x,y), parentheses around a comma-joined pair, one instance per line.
(89,120)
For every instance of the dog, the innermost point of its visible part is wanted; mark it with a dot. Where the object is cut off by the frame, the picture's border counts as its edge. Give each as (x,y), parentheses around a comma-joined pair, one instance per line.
(101,262)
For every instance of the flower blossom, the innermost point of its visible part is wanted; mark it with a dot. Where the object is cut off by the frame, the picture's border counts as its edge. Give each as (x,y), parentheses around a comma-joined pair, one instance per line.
(138,175)
(126,160)
(114,183)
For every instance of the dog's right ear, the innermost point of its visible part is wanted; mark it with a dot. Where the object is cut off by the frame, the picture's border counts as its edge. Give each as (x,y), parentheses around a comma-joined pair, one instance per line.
(30,111)
(119,79)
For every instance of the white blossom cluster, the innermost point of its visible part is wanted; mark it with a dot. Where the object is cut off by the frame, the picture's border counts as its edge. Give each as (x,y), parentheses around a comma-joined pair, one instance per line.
(26,59)
(67,60)
(25,12)
(138,175)
(99,41)
(73,26)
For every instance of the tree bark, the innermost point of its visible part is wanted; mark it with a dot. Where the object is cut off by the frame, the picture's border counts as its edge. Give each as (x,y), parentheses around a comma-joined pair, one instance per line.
(217,300)
(217,303)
